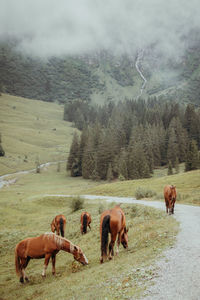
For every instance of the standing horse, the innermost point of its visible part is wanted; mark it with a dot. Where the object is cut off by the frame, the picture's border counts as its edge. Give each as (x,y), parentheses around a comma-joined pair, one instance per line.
(44,246)
(85,221)
(112,221)
(170,198)
(59,224)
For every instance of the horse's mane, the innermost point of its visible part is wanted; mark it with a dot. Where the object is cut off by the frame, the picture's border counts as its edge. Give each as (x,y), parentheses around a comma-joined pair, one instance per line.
(59,240)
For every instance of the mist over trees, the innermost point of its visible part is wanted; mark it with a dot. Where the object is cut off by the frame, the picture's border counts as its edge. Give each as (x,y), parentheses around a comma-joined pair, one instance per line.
(128,140)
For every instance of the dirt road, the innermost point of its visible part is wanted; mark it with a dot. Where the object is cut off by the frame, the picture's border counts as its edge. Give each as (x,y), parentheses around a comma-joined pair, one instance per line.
(179,269)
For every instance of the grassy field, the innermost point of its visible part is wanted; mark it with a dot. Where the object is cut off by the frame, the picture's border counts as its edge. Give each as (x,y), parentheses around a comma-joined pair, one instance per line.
(26,211)
(32,130)
(187,185)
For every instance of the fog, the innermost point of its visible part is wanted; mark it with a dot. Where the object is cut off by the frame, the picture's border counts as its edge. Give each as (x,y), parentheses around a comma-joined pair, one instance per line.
(50,27)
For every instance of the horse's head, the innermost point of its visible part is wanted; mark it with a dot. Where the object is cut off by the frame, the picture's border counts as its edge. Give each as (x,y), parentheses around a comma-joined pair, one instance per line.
(173,193)
(124,238)
(80,256)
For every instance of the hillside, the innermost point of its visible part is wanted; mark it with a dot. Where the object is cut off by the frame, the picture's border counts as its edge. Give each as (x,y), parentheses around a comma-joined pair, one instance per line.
(32,130)
(101,76)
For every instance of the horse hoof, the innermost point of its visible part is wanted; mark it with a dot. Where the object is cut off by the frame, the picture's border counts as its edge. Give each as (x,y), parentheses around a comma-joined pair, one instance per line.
(27,280)
(21,280)
(110,257)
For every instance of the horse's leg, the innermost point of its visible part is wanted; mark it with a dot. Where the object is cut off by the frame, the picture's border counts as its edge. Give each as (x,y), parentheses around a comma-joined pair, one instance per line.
(118,242)
(167,206)
(111,245)
(53,257)
(24,263)
(89,226)
(21,279)
(46,262)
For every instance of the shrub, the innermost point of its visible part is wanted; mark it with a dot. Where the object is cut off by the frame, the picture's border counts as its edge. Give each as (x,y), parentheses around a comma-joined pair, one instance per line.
(144,193)
(101,208)
(76,204)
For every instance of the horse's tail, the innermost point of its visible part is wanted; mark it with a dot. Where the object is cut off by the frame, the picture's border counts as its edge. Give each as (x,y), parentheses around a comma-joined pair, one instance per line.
(17,262)
(85,223)
(62,227)
(104,234)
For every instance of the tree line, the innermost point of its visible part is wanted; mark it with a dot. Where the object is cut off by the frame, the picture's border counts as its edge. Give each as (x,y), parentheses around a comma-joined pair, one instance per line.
(128,140)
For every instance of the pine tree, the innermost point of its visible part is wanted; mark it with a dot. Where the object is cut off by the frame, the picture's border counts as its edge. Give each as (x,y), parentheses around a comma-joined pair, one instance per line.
(89,164)
(176,165)
(73,158)
(170,170)
(172,150)
(192,157)
(122,165)
(109,175)
(137,164)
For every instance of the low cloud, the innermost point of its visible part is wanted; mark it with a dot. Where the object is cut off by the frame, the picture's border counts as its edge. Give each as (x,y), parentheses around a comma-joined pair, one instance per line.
(49,27)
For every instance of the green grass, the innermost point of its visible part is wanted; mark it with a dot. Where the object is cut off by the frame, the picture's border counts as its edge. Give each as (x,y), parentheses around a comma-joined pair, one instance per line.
(25,211)
(187,185)
(32,129)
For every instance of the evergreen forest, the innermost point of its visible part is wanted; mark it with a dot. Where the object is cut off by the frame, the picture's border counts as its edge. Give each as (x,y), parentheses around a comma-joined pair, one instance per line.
(128,140)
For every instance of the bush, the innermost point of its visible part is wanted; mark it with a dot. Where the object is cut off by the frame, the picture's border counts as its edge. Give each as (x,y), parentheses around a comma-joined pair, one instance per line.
(101,208)
(76,204)
(144,193)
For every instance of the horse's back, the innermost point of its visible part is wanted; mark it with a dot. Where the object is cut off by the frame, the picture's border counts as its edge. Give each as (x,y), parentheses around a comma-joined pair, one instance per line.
(58,217)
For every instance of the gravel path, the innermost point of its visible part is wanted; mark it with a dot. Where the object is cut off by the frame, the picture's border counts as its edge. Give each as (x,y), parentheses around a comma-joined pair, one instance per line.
(179,269)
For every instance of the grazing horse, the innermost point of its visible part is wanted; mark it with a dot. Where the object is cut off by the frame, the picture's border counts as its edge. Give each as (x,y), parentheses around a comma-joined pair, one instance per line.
(44,246)
(59,224)
(85,221)
(112,221)
(170,198)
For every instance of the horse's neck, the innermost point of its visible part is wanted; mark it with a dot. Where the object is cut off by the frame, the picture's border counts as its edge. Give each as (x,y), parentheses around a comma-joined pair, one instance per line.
(68,246)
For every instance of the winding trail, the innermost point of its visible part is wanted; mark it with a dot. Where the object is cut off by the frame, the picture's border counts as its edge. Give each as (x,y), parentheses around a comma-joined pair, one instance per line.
(4,181)
(139,57)
(179,269)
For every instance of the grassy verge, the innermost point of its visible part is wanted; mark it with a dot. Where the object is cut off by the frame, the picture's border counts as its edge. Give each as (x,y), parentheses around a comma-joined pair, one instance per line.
(32,130)
(187,185)
(127,275)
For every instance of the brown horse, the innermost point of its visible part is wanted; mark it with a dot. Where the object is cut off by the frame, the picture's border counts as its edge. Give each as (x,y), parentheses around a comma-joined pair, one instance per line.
(44,246)
(170,198)
(112,221)
(85,221)
(59,224)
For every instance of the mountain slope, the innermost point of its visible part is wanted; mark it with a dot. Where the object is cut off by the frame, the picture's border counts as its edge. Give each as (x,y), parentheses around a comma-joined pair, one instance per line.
(32,130)
(102,76)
